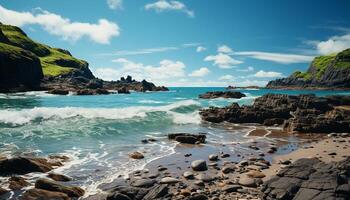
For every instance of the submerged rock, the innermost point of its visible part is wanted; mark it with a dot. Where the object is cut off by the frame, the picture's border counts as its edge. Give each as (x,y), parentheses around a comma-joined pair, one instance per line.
(136,155)
(59,177)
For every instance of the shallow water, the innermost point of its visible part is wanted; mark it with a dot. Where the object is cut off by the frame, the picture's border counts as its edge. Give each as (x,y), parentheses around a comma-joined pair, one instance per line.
(98,132)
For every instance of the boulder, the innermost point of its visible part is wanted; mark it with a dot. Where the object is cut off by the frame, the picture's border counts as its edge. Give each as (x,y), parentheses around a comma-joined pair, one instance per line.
(58,91)
(24,165)
(17,183)
(136,155)
(59,177)
(71,191)
(39,194)
(199,165)
(187,138)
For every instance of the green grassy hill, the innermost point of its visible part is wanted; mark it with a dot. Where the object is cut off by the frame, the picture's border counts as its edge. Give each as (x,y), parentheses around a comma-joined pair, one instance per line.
(54,61)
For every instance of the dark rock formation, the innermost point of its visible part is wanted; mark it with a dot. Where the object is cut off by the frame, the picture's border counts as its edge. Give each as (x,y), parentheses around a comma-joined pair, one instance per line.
(330,72)
(20,70)
(71,191)
(24,165)
(17,183)
(303,113)
(225,94)
(59,177)
(187,138)
(92,92)
(36,194)
(310,179)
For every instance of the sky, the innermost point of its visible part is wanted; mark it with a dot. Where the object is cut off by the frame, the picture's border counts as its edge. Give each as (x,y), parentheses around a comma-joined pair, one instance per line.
(188,42)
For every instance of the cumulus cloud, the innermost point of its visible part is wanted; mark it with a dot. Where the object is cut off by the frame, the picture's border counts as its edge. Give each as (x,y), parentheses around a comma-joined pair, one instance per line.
(54,24)
(165,5)
(223,61)
(333,45)
(166,71)
(276,57)
(115,4)
(226,77)
(200,72)
(263,74)
(248,69)
(200,49)
(224,49)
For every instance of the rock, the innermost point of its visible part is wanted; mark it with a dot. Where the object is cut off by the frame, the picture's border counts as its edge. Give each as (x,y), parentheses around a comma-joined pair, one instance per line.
(285,162)
(123,90)
(310,179)
(247,182)
(227,169)
(187,138)
(145,183)
(199,183)
(24,165)
(118,196)
(204,177)
(38,194)
(136,155)
(17,183)
(58,91)
(188,175)
(95,84)
(213,157)
(199,165)
(255,174)
(185,192)
(303,113)
(59,177)
(231,188)
(71,191)
(169,180)
(3,191)
(92,92)
(199,197)
(225,94)
(158,191)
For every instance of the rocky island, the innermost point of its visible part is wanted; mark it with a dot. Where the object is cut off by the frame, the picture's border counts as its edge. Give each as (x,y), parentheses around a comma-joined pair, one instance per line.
(28,65)
(325,72)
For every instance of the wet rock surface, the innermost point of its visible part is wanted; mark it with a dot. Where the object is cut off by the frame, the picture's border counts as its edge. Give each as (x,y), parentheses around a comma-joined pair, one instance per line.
(222,94)
(303,113)
(24,165)
(310,179)
(187,138)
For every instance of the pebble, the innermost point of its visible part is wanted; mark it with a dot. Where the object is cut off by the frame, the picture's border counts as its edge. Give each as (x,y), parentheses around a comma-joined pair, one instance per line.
(213,157)
(199,165)
(188,175)
(169,180)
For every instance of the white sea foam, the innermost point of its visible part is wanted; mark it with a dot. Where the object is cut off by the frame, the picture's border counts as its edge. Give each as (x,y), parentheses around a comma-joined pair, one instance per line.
(11,116)
(149,101)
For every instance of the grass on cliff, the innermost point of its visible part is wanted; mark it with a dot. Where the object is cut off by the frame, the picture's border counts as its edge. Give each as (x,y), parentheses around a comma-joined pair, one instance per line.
(54,61)
(322,62)
(18,38)
(304,75)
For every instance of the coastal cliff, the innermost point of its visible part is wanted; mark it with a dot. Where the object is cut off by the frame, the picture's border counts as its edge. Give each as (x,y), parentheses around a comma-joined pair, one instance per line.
(325,72)
(28,65)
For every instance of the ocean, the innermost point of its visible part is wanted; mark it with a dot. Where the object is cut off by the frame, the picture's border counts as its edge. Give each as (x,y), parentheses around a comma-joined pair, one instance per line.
(98,132)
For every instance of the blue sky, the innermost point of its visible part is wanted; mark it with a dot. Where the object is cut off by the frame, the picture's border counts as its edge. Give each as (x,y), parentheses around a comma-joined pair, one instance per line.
(188,42)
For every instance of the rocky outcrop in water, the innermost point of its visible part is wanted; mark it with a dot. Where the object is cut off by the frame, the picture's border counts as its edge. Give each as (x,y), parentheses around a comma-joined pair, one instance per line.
(222,94)
(310,179)
(187,138)
(325,72)
(303,113)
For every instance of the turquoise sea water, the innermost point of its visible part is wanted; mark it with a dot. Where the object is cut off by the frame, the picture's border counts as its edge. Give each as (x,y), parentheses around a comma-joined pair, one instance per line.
(98,132)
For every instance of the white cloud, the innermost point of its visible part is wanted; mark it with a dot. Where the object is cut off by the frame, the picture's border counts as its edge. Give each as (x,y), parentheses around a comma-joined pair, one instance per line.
(223,61)
(263,74)
(224,49)
(165,5)
(200,72)
(248,69)
(200,49)
(142,51)
(102,32)
(167,71)
(226,77)
(115,4)
(334,44)
(276,57)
